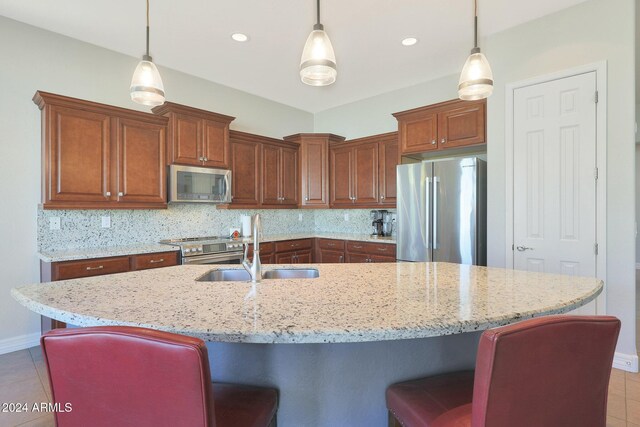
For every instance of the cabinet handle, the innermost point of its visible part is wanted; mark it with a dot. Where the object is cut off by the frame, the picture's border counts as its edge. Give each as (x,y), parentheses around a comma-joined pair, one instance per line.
(153,261)
(205,159)
(433,142)
(107,194)
(120,194)
(306,199)
(381,197)
(100,267)
(200,158)
(331,244)
(341,258)
(382,249)
(443,140)
(357,247)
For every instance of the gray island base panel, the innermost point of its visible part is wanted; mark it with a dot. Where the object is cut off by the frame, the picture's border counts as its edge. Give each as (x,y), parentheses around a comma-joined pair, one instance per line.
(332,344)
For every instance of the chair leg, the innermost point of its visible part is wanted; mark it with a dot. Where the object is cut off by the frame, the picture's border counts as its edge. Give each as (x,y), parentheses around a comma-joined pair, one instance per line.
(393,422)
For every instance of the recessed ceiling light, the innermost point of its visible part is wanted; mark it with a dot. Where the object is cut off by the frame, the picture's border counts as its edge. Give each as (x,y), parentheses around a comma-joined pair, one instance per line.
(239,37)
(409,41)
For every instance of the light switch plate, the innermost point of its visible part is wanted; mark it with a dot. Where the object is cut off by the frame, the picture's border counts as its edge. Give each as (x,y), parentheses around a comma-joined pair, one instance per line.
(106,222)
(54,223)
(299,217)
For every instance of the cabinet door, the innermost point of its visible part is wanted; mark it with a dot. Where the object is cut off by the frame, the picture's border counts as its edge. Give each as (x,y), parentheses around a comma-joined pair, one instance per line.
(76,163)
(340,176)
(365,174)
(303,257)
(462,126)
(418,133)
(270,175)
(314,154)
(379,258)
(186,140)
(388,160)
(216,144)
(356,258)
(245,180)
(285,258)
(289,176)
(328,256)
(141,162)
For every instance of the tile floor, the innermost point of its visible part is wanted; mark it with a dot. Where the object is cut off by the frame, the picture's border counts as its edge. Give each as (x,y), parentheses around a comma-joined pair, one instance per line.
(23,378)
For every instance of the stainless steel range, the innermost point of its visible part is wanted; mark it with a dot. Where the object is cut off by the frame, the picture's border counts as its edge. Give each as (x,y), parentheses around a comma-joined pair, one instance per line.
(208,250)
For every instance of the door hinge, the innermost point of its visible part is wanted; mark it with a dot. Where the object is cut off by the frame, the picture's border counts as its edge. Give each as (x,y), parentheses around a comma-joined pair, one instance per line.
(595,173)
(596,98)
(595,248)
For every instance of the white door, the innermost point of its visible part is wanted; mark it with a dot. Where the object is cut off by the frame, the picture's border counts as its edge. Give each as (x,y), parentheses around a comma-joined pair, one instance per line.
(555,177)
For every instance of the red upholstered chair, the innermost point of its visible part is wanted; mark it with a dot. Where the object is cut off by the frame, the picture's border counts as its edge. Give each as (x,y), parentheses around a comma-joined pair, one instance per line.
(551,371)
(122,376)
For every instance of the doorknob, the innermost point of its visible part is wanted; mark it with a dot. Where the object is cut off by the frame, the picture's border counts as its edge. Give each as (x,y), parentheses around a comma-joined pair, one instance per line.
(523,248)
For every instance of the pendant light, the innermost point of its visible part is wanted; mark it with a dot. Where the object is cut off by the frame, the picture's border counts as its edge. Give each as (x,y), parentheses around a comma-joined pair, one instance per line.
(146,83)
(476,79)
(318,62)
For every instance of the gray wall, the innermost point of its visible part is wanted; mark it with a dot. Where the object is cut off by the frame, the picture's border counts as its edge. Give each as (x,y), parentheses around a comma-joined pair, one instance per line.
(590,32)
(35,59)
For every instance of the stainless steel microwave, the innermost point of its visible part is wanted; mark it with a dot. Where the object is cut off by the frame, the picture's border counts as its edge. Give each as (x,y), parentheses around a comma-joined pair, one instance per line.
(189,184)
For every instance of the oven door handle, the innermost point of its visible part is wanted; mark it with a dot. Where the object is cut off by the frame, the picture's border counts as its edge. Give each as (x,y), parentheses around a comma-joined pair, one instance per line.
(213,258)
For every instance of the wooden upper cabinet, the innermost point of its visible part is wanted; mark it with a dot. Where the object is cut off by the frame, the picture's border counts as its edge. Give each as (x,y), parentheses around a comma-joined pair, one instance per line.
(279,174)
(289,176)
(365,174)
(462,126)
(196,137)
(313,169)
(271,175)
(141,162)
(245,168)
(388,160)
(363,171)
(97,156)
(341,175)
(76,156)
(440,126)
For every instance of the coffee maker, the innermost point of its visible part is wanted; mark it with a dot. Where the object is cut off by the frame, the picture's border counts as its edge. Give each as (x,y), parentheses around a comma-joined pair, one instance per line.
(381,222)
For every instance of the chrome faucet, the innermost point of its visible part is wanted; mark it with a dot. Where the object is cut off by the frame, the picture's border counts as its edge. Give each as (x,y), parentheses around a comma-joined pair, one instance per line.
(255,268)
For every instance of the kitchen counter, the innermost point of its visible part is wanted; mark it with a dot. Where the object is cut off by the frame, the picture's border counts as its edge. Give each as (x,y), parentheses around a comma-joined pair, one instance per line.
(347,303)
(110,251)
(350,333)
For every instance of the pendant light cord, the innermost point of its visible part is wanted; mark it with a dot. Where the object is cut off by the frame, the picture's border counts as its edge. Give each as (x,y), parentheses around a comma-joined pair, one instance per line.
(148,28)
(318,8)
(475,23)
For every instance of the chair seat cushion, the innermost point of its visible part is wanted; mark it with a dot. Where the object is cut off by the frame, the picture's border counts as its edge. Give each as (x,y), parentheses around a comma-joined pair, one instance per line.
(243,406)
(419,403)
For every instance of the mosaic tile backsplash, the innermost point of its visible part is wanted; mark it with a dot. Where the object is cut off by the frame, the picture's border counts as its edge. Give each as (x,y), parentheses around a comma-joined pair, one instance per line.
(83,228)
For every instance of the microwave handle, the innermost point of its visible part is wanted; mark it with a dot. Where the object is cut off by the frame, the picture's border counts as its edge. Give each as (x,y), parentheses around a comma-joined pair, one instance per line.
(226,187)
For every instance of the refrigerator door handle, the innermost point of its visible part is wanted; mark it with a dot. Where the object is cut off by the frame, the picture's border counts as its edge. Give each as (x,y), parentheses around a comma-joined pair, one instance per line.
(427,213)
(436,181)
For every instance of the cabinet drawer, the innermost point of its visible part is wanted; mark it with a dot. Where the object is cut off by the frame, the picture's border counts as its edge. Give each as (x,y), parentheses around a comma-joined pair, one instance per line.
(95,267)
(155,260)
(331,244)
(329,256)
(384,249)
(266,250)
(293,245)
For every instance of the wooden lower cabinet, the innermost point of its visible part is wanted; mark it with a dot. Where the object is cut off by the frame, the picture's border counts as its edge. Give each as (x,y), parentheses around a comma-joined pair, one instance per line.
(65,270)
(370,252)
(331,257)
(357,257)
(294,251)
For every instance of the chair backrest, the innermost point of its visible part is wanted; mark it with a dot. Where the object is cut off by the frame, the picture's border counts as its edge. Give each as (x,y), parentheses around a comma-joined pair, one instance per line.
(124,376)
(550,371)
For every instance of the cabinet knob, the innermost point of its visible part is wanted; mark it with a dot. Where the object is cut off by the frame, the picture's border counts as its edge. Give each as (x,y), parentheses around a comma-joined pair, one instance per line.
(205,159)
(382,197)
(107,194)
(306,199)
(443,140)
(433,142)
(120,194)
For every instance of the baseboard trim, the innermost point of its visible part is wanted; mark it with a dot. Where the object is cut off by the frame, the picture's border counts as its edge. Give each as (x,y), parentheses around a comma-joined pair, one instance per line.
(20,342)
(626,362)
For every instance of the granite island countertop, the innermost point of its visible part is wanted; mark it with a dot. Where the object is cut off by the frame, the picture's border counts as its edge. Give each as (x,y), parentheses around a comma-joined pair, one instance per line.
(111,251)
(347,303)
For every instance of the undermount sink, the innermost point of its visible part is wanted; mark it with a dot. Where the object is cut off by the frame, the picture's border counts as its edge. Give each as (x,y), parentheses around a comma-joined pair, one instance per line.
(291,273)
(239,275)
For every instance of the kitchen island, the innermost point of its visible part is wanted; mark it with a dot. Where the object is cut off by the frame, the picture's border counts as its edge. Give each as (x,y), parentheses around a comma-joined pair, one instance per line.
(331,344)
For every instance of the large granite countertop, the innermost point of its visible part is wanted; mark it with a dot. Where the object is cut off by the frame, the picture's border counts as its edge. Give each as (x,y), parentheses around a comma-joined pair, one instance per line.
(110,251)
(347,303)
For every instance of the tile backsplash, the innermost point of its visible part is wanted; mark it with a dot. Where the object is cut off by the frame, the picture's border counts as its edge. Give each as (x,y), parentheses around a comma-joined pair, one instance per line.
(83,228)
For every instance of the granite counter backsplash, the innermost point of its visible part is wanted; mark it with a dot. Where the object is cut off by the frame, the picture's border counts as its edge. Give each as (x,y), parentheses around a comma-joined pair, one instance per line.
(82,228)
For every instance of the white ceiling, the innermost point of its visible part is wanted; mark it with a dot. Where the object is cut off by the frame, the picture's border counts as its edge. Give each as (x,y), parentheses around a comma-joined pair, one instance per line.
(193,36)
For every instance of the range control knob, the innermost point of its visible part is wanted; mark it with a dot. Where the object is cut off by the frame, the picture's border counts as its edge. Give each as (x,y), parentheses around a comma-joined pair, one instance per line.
(198,249)
(186,251)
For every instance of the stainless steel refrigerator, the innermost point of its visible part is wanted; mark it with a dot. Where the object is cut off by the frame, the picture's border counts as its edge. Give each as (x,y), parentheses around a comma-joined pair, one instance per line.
(441,211)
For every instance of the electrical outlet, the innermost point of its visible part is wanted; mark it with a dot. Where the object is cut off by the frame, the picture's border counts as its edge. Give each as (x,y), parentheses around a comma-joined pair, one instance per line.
(346,217)
(299,217)
(106,222)
(54,223)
